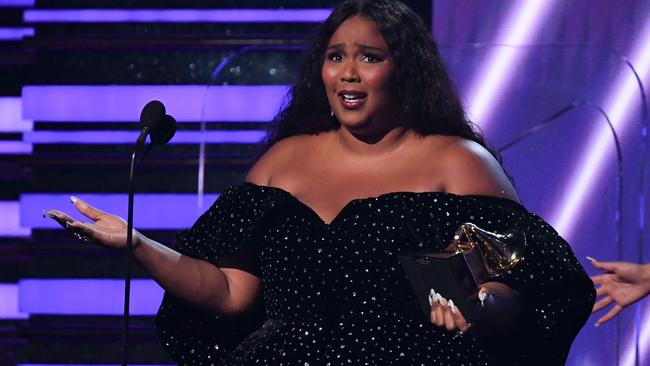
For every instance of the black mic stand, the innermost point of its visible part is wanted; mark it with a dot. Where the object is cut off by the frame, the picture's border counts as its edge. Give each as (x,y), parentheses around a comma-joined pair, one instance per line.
(129,247)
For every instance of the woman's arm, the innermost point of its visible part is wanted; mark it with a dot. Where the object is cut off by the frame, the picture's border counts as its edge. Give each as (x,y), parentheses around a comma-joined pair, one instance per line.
(227,286)
(220,290)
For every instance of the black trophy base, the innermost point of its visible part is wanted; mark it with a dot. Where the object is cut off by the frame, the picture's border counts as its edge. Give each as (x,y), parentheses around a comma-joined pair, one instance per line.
(455,276)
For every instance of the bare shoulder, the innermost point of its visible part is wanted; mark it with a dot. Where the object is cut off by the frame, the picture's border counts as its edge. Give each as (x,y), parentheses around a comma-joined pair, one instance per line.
(470,169)
(277,157)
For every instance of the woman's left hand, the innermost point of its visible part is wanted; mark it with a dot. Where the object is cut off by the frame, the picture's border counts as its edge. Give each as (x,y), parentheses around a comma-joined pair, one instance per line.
(500,308)
(444,313)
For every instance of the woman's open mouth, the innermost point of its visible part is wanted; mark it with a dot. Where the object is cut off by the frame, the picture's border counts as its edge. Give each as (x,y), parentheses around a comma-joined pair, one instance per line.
(352,99)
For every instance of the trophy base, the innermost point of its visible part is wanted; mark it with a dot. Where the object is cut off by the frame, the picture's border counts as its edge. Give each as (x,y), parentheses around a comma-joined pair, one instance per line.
(455,276)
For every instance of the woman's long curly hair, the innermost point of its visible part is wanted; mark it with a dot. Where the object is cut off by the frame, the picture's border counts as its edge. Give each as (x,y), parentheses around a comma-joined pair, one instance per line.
(426,96)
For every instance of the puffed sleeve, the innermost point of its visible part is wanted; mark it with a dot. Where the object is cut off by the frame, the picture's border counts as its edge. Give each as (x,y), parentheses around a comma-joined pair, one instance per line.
(557,293)
(230,225)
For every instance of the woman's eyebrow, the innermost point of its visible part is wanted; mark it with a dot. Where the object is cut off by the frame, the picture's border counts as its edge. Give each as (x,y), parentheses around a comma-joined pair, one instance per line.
(367,47)
(338,45)
(361,46)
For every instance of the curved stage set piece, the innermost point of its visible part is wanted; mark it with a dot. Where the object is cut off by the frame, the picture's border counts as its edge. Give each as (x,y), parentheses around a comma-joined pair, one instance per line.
(557,88)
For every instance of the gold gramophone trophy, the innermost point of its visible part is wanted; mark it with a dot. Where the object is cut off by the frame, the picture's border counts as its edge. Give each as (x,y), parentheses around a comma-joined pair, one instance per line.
(474,256)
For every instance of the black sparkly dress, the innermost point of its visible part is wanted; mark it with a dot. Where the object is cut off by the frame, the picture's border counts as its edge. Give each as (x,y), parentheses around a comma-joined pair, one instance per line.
(335,294)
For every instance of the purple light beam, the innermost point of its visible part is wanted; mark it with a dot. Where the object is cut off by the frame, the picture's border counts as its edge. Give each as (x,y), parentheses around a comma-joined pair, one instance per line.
(87,296)
(11,116)
(15,33)
(127,137)
(522,24)
(620,102)
(10,223)
(123,103)
(176,15)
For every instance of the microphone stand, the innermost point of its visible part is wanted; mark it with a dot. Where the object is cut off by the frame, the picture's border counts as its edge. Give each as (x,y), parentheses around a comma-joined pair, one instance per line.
(129,248)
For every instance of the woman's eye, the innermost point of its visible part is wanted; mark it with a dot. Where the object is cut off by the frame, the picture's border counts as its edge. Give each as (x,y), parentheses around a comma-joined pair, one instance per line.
(336,57)
(371,58)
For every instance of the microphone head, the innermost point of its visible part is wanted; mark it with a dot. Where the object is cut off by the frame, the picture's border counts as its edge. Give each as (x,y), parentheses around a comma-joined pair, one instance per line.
(152,114)
(164,131)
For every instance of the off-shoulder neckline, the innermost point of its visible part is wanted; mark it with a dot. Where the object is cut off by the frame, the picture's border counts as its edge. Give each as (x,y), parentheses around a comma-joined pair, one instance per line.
(502,201)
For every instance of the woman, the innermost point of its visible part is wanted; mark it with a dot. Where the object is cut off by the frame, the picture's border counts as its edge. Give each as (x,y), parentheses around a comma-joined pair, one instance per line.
(371,156)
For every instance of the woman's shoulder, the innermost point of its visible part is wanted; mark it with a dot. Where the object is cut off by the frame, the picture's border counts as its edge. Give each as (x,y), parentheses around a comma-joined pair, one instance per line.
(280,155)
(469,168)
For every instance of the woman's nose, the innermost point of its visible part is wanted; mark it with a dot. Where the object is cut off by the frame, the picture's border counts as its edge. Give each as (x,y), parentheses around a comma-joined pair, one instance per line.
(350,74)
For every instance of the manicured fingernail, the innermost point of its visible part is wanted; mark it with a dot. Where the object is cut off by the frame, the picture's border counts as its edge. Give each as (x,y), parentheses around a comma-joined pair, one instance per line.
(438,298)
(596,325)
(482,296)
(452,306)
(591,258)
(73,199)
(443,301)
(432,297)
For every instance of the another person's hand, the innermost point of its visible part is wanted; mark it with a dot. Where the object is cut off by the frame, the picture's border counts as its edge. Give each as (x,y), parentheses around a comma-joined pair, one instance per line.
(623,284)
(106,229)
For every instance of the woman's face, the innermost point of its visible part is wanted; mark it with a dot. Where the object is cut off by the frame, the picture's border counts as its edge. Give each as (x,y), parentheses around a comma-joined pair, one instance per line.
(358,77)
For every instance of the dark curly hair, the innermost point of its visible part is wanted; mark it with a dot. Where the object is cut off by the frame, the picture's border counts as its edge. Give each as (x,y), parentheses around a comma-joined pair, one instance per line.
(426,96)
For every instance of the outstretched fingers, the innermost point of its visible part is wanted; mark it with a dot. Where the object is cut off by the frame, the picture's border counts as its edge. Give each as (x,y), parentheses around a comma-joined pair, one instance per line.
(604,266)
(601,304)
(61,218)
(601,291)
(610,314)
(81,230)
(87,210)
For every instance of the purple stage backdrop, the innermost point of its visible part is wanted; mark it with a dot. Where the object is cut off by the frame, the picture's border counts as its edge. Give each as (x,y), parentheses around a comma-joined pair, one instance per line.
(515,63)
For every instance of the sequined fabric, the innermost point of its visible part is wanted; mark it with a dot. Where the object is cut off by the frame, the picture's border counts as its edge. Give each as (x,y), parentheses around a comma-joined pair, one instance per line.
(335,294)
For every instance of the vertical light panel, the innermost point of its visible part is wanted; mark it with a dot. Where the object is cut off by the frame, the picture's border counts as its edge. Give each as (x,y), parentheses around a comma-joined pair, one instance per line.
(620,102)
(629,354)
(644,337)
(521,26)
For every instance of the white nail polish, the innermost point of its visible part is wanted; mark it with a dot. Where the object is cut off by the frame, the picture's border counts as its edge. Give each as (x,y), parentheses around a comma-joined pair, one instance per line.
(596,325)
(452,306)
(482,296)
(439,298)
(432,297)
(73,199)
(591,258)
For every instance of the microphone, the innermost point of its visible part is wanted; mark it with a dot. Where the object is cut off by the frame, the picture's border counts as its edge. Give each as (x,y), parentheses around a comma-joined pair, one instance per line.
(160,127)
(164,131)
(155,123)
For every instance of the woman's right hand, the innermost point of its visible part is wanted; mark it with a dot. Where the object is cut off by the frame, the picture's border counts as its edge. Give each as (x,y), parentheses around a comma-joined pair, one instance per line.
(106,229)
